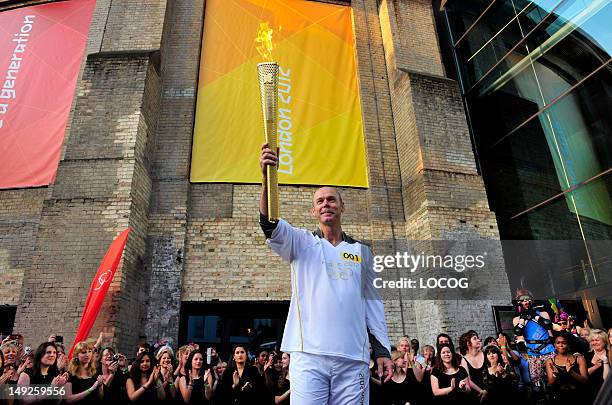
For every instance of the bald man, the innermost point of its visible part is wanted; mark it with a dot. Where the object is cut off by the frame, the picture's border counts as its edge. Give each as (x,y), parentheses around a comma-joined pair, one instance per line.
(335,314)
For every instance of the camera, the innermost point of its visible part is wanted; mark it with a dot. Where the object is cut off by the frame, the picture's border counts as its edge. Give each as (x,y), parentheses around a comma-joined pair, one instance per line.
(59,339)
(116,357)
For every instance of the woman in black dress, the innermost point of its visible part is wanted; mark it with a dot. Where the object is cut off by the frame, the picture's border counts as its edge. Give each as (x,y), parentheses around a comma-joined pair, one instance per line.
(567,374)
(283,391)
(196,387)
(44,371)
(86,384)
(165,359)
(241,384)
(429,354)
(473,361)
(449,380)
(499,379)
(404,386)
(598,364)
(113,388)
(12,368)
(144,385)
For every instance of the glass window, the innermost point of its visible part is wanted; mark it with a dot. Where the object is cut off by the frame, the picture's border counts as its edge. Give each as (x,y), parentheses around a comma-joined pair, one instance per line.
(564,146)
(537,81)
(605,309)
(530,36)
(463,14)
(565,245)
(559,220)
(505,25)
(561,52)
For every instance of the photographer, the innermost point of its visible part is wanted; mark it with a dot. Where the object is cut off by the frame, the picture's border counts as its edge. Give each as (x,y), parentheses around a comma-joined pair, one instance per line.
(62,359)
(113,388)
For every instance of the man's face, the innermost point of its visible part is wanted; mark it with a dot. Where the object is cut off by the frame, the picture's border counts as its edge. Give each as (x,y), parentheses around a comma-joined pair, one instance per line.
(327,206)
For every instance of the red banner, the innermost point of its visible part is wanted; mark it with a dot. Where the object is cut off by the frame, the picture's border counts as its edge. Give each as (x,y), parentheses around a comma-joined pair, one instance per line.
(99,287)
(41,49)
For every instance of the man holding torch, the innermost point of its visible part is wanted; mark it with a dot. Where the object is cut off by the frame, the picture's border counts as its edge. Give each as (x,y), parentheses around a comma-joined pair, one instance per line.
(335,313)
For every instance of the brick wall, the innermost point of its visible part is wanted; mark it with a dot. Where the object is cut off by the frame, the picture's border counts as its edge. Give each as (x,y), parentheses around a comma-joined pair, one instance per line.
(19,222)
(171,158)
(126,162)
(102,187)
(444,197)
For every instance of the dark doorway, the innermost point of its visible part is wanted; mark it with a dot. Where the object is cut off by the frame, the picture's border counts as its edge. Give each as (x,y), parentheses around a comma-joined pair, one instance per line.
(224,324)
(7,320)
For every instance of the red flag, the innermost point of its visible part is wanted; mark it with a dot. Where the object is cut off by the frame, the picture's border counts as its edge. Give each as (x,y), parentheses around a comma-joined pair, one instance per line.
(99,287)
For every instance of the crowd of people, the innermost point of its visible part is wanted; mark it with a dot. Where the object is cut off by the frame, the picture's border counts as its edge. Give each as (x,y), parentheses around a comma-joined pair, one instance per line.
(467,370)
(98,373)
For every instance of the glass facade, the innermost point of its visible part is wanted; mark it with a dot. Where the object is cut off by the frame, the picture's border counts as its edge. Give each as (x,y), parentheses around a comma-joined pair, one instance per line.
(537,84)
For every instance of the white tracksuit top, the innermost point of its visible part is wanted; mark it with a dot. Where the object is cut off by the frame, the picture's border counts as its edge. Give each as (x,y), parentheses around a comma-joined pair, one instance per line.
(333,299)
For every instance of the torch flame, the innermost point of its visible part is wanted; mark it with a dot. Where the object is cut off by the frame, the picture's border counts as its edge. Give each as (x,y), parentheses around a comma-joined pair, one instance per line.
(264,39)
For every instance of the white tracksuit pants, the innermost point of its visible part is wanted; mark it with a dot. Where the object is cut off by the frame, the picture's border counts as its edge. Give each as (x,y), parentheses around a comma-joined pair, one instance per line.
(328,380)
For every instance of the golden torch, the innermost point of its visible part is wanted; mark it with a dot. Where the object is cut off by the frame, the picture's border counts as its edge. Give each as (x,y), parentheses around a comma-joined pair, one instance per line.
(268,87)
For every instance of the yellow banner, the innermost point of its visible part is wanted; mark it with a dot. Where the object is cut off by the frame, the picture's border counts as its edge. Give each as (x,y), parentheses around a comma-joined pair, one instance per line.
(320,126)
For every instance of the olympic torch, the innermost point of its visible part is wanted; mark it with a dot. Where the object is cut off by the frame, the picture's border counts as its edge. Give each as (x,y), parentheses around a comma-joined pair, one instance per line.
(268,87)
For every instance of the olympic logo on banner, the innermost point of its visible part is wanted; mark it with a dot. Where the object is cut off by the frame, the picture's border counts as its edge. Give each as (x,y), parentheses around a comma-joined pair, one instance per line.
(103,279)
